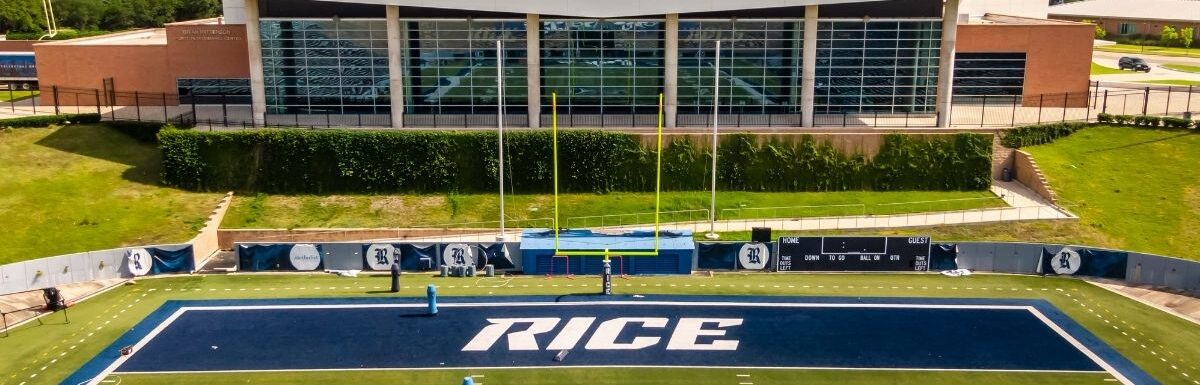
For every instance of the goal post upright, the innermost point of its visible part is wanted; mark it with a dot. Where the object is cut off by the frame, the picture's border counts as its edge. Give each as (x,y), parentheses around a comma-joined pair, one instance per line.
(554,138)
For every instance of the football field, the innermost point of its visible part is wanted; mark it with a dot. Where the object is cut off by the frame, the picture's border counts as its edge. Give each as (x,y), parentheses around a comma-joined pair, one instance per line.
(726,329)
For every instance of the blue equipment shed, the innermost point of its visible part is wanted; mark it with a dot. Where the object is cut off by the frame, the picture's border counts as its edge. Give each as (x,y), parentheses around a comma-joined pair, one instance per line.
(676,249)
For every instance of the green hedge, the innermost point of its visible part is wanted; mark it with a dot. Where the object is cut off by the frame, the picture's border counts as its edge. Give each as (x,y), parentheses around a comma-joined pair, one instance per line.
(142,131)
(1148,121)
(325,161)
(1035,135)
(46,120)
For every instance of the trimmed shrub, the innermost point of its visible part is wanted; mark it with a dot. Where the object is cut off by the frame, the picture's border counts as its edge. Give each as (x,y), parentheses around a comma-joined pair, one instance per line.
(1146,121)
(46,120)
(1035,135)
(1105,118)
(1180,123)
(295,161)
(1123,119)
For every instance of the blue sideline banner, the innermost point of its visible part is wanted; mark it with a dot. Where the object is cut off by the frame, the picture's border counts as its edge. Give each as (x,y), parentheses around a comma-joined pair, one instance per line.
(943,256)
(495,254)
(717,256)
(159,260)
(419,257)
(299,257)
(1084,262)
(172,261)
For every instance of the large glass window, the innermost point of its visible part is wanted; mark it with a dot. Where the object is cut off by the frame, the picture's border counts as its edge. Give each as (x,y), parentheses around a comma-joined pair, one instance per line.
(998,73)
(877,66)
(325,66)
(214,91)
(451,66)
(1127,28)
(760,66)
(602,67)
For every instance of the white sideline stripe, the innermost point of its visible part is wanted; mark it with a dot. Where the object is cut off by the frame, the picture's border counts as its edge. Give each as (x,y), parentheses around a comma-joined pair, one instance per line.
(138,346)
(1078,345)
(626,366)
(111,369)
(609,303)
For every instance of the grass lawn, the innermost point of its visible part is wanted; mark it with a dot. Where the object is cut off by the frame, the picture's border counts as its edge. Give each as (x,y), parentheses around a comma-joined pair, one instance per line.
(13,96)
(1182,67)
(360,211)
(1172,82)
(1102,70)
(1136,185)
(1161,344)
(81,188)
(1150,50)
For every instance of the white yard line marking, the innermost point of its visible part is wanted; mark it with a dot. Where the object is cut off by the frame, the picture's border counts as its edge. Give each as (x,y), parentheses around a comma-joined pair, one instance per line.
(630,366)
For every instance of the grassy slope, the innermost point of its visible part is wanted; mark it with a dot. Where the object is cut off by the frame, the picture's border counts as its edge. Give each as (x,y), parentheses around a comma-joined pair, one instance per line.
(352,211)
(1102,70)
(1150,50)
(1138,186)
(1130,327)
(82,188)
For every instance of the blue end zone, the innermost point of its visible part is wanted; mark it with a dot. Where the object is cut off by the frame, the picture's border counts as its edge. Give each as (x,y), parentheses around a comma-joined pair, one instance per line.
(770,332)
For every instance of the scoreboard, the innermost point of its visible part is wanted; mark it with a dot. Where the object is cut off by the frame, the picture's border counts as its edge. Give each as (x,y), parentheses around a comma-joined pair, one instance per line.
(853,254)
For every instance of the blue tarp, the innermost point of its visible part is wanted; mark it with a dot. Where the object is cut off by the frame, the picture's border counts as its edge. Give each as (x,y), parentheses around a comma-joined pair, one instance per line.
(172,261)
(675,252)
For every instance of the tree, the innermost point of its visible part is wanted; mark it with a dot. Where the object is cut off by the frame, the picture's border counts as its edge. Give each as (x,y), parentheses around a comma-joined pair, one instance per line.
(1100,31)
(1187,36)
(111,15)
(21,16)
(1169,36)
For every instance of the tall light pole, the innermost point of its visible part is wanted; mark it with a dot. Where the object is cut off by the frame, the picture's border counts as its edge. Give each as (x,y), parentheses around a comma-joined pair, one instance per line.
(500,126)
(712,212)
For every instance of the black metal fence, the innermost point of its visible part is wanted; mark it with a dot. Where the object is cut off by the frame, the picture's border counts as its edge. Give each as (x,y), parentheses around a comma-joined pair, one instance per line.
(220,111)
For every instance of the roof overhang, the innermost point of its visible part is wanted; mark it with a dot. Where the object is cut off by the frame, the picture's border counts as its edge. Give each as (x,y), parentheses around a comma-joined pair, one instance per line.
(602,9)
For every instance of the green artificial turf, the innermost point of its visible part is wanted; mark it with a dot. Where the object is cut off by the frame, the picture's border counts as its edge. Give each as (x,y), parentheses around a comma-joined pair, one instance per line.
(1161,344)
(633,376)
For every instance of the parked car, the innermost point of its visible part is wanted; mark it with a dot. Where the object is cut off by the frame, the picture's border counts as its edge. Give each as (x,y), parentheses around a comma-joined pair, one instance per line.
(1133,63)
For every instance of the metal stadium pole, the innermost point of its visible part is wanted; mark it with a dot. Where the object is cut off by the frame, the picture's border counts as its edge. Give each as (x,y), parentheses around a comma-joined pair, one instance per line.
(712,213)
(500,125)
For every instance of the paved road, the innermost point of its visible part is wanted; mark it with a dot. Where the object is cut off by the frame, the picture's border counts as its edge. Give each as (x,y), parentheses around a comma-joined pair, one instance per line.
(1157,72)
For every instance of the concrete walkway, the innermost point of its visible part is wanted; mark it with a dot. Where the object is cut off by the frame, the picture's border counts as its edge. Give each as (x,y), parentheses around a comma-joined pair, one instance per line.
(1022,205)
